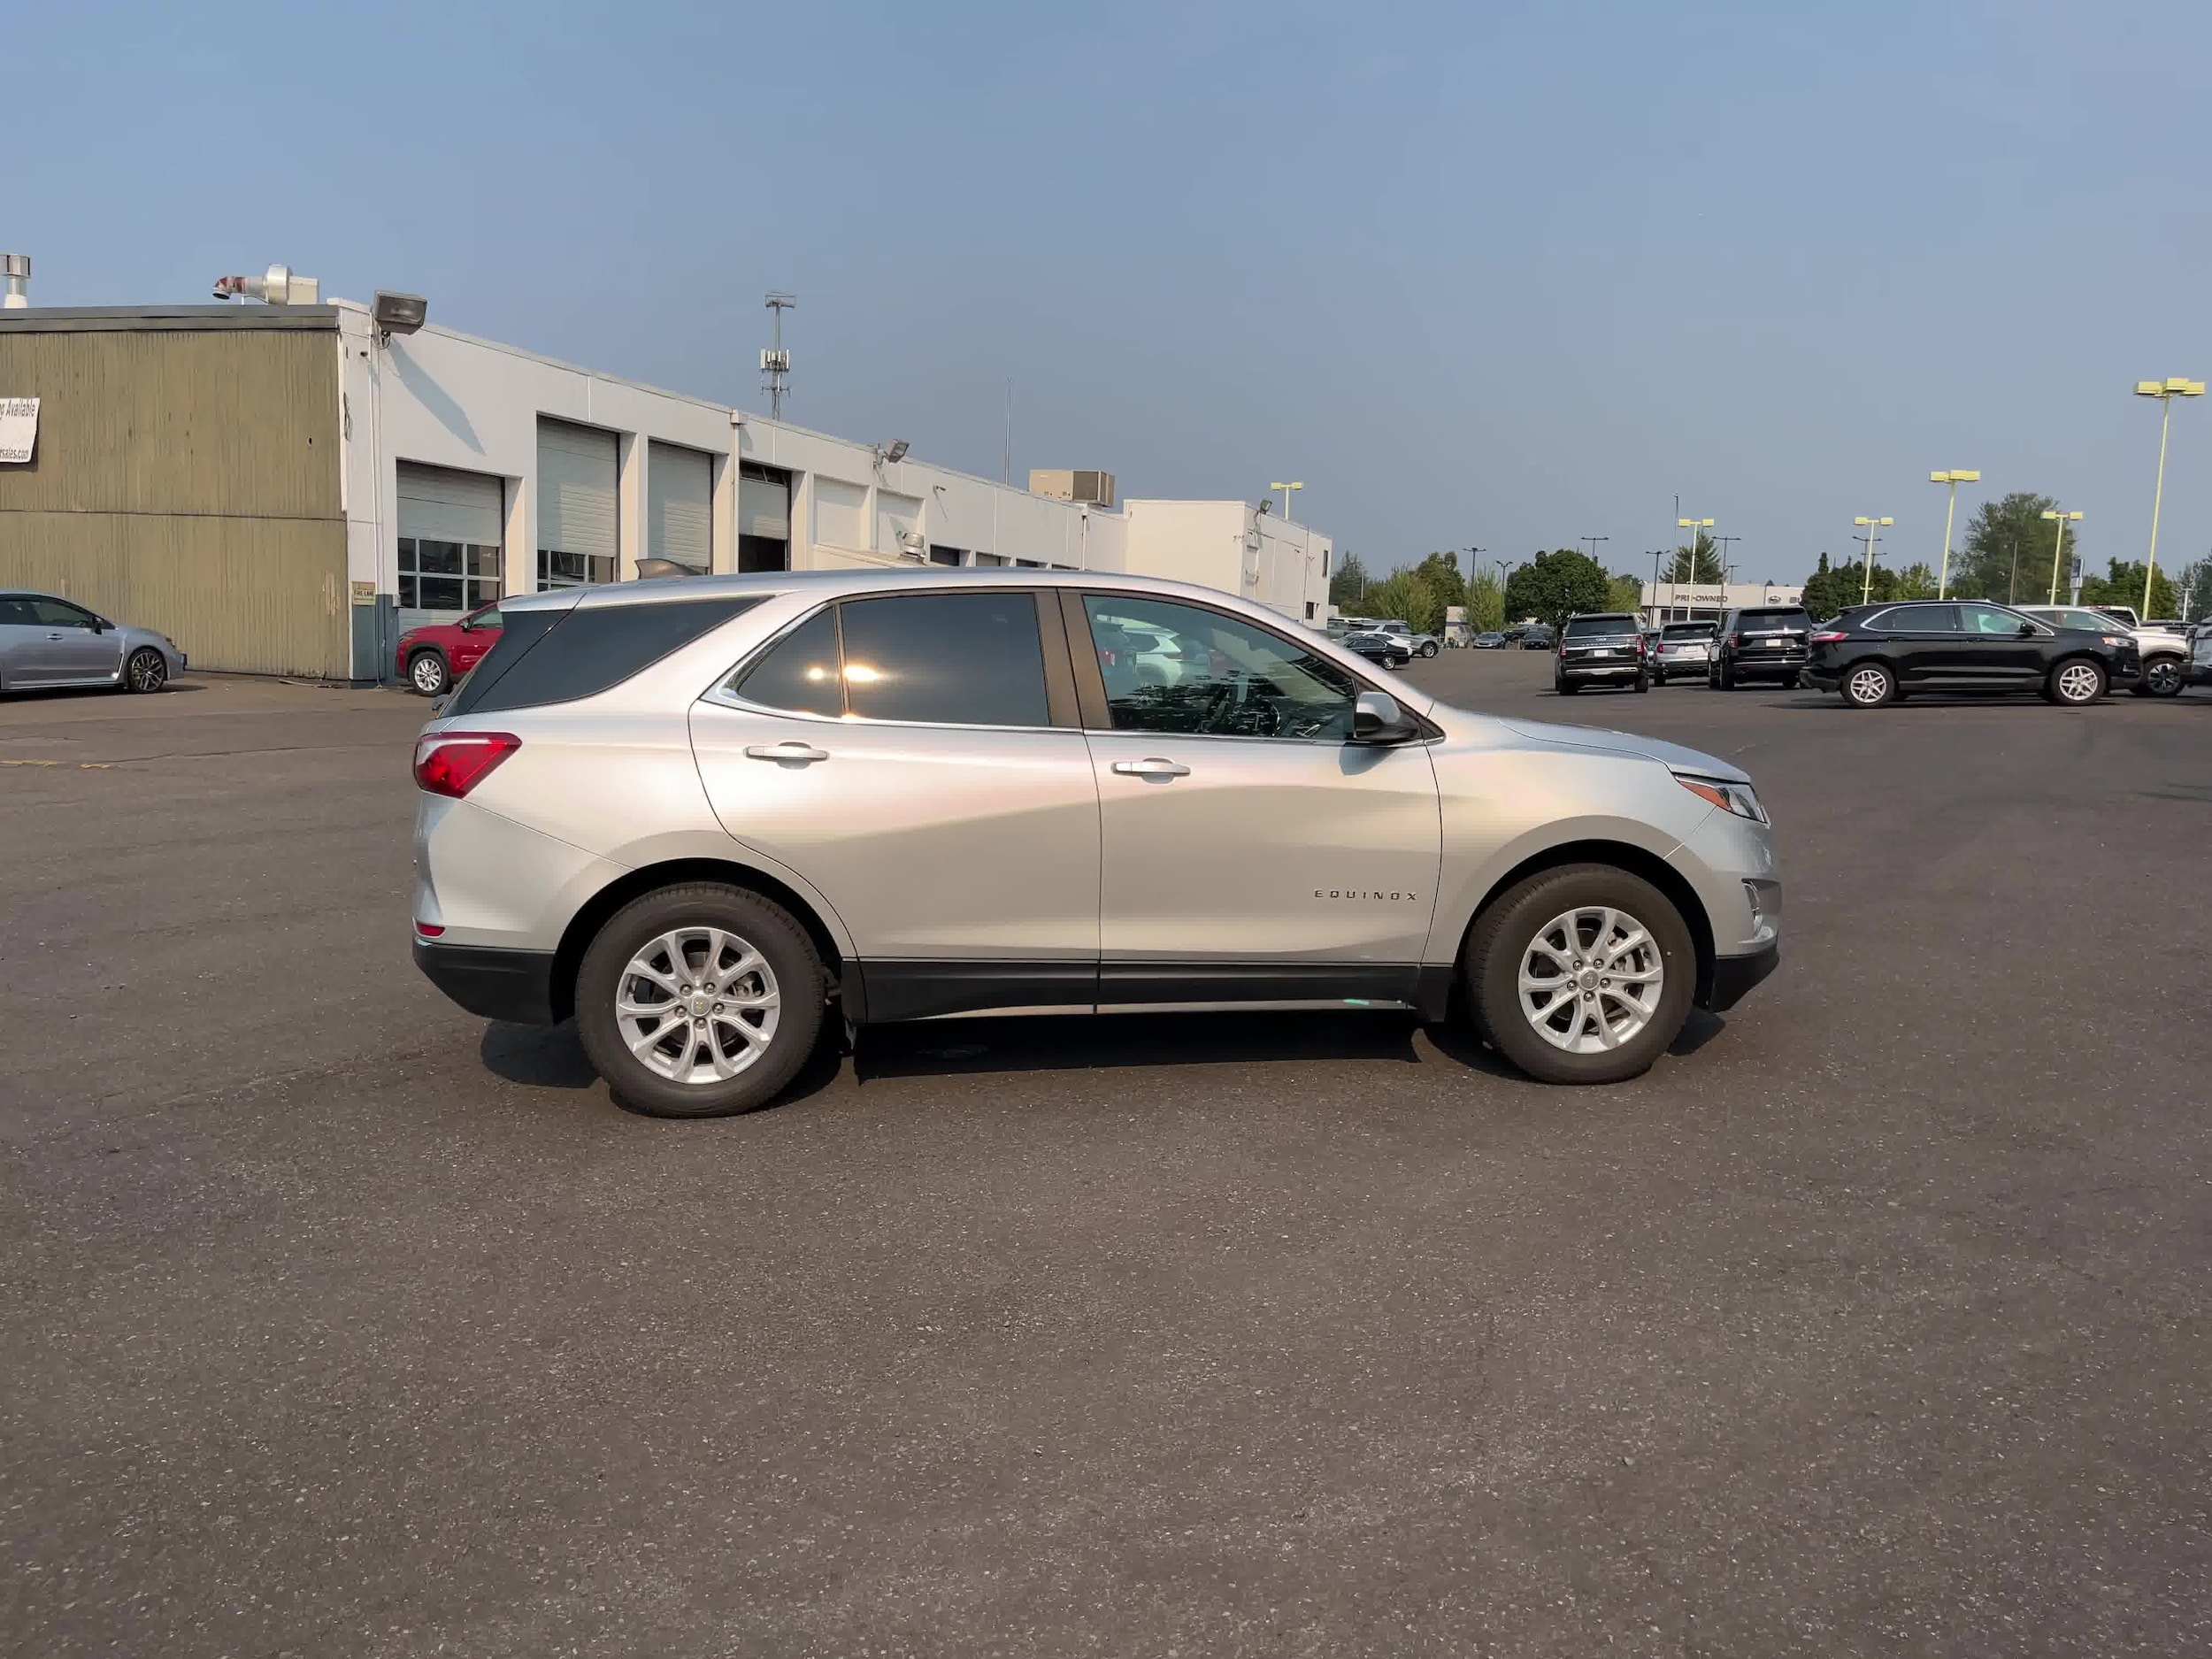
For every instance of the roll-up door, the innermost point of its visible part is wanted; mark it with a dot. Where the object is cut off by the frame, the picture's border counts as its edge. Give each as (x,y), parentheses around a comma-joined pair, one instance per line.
(680,506)
(577,496)
(764,517)
(450,530)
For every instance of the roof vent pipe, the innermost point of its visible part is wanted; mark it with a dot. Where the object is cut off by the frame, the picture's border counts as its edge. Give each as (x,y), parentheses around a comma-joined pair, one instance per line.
(278,286)
(18,270)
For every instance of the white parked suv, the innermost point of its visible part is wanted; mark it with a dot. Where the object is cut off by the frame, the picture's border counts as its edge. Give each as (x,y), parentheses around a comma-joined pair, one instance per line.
(700,816)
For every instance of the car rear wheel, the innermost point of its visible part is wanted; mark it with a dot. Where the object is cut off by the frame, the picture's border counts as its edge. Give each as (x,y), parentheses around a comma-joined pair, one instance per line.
(1868,685)
(2075,683)
(699,1001)
(426,673)
(1429,649)
(147,670)
(1582,975)
(2162,677)
(1564,687)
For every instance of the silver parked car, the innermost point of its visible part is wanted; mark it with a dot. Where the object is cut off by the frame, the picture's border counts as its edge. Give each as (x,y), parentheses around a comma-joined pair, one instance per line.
(49,641)
(700,814)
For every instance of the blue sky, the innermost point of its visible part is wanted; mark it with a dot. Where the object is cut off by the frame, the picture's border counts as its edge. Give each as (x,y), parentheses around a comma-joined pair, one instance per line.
(1504,276)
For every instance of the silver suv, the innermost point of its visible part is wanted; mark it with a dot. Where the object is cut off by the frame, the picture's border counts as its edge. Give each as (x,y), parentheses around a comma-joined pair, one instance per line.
(699,816)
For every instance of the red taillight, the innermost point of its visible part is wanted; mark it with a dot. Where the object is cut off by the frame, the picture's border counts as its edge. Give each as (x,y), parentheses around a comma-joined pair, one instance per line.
(454,762)
(1735,639)
(430,930)
(1829,638)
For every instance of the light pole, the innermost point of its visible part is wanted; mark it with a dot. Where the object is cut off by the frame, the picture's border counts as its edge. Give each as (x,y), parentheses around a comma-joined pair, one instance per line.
(1957,476)
(2165,392)
(1286,488)
(2059,547)
(1594,540)
(1723,542)
(1694,527)
(1657,555)
(1874,528)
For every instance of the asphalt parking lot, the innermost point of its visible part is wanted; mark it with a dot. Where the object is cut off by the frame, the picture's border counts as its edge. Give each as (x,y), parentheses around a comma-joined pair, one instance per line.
(1874,1320)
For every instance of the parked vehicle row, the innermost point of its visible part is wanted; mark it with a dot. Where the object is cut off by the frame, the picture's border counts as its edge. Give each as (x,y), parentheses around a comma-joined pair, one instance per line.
(1877,654)
(701,815)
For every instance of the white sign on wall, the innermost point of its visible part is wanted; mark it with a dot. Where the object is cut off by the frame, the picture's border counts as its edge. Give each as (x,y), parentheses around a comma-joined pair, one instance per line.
(19,430)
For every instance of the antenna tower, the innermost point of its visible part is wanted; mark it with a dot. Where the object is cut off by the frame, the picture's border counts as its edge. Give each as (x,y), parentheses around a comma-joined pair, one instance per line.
(775,361)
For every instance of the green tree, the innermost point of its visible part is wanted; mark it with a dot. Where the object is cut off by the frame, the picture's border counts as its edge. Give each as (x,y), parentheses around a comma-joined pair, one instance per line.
(1348,588)
(1626,593)
(1552,586)
(2121,584)
(1697,563)
(1916,581)
(2196,585)
(1403,595)
(1440,572)
(2006,554)
(1486,604)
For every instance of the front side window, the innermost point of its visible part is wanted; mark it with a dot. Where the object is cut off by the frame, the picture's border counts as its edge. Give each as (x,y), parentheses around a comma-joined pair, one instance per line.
(1990,620)
(931,659)
(1172,667)
(60,613)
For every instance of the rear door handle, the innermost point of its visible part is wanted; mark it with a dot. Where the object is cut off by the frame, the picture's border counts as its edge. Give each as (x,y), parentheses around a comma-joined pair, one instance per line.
(1152,767)
(793,750)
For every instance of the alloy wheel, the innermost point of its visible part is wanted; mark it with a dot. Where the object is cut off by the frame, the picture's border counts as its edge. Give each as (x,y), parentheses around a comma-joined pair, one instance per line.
(2162,678)
(148,671)
(2079,683)
(429,674)
(697,1005)
(1868,685)
(1591,980)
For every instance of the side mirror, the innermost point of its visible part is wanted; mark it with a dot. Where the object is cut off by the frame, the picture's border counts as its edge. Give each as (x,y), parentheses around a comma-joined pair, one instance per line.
(1377,719)
(2027,630)
(467,625)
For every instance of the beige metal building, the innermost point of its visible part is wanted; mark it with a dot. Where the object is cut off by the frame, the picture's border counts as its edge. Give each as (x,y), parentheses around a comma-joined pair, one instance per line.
(186,477)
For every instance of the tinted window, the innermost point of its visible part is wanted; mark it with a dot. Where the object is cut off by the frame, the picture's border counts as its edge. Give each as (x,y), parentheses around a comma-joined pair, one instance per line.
(60,613)
(1687,631)
(581,652)
(1990,620)
(1588,627)
(16,613)
(1773,621)
(800,670)
(966,659)
(1918,620)
(1179,668)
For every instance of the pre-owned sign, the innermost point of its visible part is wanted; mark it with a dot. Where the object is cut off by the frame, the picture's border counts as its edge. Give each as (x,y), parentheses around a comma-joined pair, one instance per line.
(19,430)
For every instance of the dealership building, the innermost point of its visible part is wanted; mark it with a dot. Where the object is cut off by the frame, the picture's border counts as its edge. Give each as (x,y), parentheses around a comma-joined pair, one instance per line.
(284,487)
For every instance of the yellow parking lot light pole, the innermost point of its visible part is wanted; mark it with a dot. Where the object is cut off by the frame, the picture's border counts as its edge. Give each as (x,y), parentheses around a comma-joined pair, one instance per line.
(2165,391)
(1957,476)
(1874,528)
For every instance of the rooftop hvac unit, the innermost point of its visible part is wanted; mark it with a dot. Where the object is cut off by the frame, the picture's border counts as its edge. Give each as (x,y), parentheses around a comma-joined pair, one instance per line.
(1059,483)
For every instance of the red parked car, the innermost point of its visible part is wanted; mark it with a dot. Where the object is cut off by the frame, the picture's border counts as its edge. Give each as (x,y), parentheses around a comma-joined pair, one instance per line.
(432,657)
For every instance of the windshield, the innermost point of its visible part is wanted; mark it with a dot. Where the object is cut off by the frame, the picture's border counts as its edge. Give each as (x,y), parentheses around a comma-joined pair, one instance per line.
(1772,621)
(1686,631)
(1599,628)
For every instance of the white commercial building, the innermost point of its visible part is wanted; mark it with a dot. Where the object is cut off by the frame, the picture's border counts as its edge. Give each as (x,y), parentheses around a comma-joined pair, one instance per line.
(1703,602)
(472,469)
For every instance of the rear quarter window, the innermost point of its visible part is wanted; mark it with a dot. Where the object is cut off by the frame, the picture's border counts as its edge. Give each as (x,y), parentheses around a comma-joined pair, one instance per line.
(546,657)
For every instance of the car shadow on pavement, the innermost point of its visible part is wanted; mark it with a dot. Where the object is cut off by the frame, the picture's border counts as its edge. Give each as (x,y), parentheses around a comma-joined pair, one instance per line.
(553,1056)
(1076,1042)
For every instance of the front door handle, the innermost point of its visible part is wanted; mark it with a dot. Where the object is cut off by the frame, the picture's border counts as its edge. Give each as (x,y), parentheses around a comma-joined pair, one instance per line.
(1152,767)
(792,750)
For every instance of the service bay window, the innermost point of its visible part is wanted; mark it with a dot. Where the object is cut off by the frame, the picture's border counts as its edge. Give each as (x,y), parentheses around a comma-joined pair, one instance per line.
(437,575)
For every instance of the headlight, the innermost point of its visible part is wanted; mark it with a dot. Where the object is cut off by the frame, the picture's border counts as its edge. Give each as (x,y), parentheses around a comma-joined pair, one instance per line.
(1730,797)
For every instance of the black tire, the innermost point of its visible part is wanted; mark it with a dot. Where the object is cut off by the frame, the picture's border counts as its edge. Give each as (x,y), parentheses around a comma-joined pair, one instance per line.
(799,986)
(1643,682)
(1867,685)
(426,673)
(1728,677)
(1429,650)
(2063,685)
(147,670)
(1507,933)
(2162,677)
(1712,676)
(1565,687)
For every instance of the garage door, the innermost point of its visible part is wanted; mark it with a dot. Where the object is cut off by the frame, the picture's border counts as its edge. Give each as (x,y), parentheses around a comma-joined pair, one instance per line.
(577,540)
(680,506)
(451,527)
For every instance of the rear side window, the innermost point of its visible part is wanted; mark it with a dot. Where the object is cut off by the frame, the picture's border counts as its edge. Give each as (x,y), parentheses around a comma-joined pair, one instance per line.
(559,655)
(931,659)
(1591,627)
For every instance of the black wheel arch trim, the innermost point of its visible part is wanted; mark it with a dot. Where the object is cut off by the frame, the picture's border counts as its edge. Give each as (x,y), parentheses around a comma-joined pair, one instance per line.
(1637,861)
(512,985)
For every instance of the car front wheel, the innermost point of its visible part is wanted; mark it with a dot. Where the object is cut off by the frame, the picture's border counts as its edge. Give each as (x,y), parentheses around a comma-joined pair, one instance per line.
(426,673)
(2161,677)
(699,1001)
(1582,975)
(2075,683)
(147,670)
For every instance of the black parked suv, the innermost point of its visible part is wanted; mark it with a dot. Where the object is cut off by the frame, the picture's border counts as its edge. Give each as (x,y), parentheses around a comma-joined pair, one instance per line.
(1759,643)
(1876,654)
(1606,648)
